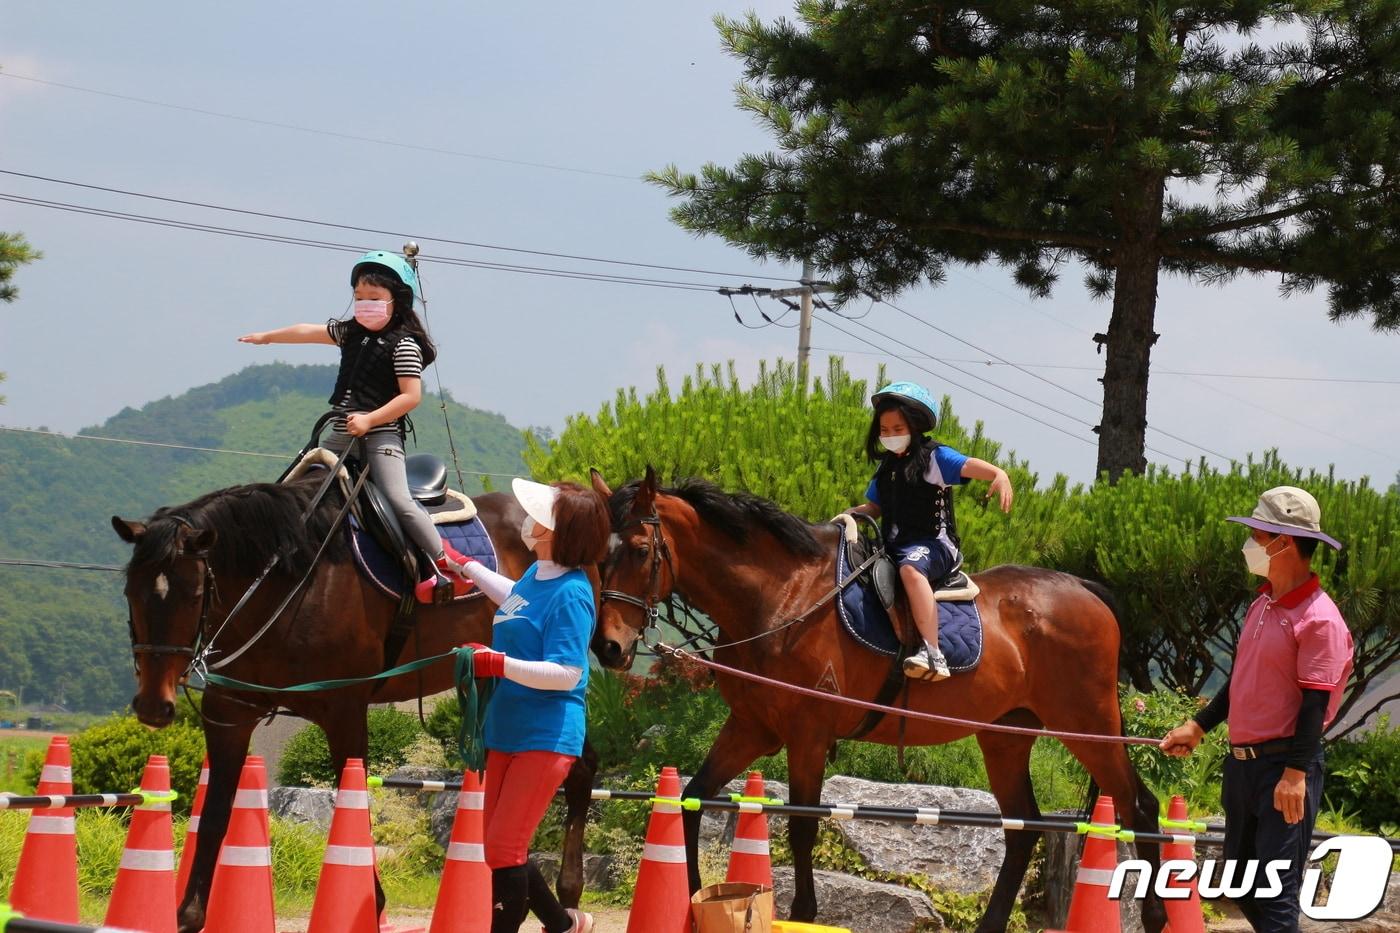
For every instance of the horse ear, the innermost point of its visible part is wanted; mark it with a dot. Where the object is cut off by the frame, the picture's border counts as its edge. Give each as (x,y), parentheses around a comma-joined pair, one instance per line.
(646,492)
(201,541)
(130,532)
(599,485)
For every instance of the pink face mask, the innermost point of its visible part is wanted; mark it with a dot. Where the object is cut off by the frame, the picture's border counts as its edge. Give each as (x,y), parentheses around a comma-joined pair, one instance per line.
(372,315)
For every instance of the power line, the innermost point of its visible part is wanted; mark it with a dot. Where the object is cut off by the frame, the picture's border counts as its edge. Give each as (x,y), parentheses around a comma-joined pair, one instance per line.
(208,450)
(318,131)
(388,233)
(544,271)
(1155,371)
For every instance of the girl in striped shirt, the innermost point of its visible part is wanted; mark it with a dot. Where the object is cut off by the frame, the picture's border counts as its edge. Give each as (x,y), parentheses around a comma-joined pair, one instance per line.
(383,350)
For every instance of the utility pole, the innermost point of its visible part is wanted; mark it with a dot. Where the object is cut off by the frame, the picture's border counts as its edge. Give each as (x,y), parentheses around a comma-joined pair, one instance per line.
(805,291)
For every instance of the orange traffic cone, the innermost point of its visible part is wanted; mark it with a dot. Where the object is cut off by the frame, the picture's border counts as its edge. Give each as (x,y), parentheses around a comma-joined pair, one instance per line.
(748,859)
(1183,915)
(464,897)
(144,894)
(241,899)
(661,903)
(1090,910)
(192,832)
(46,878)
(345,894)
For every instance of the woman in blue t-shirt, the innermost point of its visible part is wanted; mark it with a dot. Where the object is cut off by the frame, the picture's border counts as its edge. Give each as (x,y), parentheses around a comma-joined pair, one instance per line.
(911,493)
(535,722)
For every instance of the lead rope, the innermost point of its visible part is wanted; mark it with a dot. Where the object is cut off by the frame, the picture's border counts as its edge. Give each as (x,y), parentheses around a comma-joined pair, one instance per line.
(410,251)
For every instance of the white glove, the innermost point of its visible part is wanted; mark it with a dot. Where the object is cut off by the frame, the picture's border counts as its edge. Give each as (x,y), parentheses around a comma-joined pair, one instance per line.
(848,521)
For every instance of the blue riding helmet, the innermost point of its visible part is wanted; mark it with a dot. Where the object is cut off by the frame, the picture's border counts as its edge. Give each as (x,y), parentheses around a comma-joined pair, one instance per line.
(911,393)
(393,262)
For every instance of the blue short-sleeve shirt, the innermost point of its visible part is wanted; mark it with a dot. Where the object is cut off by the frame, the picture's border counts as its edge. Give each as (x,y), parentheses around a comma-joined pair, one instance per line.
(542,620)
(944,469)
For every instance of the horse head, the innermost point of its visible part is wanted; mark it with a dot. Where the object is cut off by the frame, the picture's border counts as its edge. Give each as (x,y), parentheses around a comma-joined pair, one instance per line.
(639,574)
(169,585)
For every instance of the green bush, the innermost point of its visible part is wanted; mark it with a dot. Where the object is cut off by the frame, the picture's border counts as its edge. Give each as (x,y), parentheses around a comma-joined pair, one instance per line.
(109,757)
(1363,777)
(307,756)
(1196,777)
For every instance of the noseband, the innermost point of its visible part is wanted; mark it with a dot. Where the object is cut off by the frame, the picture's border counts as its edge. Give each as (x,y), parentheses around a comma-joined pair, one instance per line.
(660,552)
(206,599)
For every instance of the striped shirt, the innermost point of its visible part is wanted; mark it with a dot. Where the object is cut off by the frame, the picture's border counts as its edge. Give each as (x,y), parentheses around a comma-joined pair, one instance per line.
(408,364)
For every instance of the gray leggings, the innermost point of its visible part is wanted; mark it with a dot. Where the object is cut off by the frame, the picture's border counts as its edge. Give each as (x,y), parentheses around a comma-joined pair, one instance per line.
(386,468)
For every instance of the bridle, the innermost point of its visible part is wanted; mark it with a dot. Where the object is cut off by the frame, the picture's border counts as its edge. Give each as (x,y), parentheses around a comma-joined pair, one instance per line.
(660,552)
(208,593)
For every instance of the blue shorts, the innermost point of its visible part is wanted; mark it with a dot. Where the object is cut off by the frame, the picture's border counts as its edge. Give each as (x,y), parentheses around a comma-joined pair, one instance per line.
(932,557)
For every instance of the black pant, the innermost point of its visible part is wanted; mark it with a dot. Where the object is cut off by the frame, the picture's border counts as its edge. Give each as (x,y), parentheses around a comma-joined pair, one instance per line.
(1254,829)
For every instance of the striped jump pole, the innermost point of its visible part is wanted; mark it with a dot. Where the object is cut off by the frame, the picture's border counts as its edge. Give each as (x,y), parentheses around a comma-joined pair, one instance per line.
(56,801)
(11,921)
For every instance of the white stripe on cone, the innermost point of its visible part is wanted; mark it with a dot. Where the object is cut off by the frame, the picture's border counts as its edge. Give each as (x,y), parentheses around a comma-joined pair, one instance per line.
(148,860)
(750,846)
(56,773)
(471,800)
(250,800)
(352,799)
(245,856)
(466,852)
(194,824)
(1102,877)
(349,855)
(670,855)
(51,825)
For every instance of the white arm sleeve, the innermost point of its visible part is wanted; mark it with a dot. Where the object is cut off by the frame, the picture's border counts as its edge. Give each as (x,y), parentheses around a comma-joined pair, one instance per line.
(543,675)
(496,586)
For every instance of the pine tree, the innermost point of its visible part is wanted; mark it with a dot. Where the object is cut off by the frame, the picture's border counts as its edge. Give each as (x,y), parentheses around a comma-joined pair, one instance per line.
(14,252)
(1210,140)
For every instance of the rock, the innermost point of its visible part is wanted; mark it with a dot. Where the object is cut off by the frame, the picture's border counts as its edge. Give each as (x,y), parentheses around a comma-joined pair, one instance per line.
(954,858)
(863,906)
(441,805)
(303,804)
(599,871)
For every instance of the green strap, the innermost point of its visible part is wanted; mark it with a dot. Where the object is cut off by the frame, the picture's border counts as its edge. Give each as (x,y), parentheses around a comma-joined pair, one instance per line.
(8,913)
(1194,826)
(219,680)
(472,701)
(687,803)
(374,780)
(1108,831)
(150,799)
(766,801)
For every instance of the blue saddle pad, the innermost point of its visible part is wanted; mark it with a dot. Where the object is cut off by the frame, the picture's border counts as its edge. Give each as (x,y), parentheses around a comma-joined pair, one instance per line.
(386,572)
(864,618)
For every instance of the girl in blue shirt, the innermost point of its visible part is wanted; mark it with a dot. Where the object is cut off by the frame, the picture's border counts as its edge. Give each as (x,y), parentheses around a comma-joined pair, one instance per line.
(535,722)
(911,494)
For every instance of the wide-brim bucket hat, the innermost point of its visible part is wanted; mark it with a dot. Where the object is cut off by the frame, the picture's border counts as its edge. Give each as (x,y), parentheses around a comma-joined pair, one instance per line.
(536,499)
(1288,510)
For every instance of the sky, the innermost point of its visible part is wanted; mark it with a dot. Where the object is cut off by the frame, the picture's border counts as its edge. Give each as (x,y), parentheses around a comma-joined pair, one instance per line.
(119,313)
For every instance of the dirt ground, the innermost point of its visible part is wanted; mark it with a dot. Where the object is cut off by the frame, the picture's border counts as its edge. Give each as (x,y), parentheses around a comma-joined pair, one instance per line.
(605,920)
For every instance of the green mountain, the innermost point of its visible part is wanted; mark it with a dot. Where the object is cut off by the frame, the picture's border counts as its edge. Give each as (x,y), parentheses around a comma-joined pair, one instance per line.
(63,632)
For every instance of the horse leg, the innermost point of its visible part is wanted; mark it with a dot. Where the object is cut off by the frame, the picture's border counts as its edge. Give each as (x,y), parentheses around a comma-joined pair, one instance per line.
(347,736)
(578,794)
(806,773)
(1007,758)
(736,746)
(1136,806)
(227,747)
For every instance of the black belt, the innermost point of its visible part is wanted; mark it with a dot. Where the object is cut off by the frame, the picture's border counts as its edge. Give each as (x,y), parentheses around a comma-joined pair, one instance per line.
(1247,752)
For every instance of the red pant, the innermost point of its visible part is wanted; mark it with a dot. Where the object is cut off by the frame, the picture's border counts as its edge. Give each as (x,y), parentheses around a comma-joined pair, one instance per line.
(519,787)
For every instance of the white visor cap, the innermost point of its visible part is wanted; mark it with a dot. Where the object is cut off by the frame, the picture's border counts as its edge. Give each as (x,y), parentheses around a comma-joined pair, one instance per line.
(536,499)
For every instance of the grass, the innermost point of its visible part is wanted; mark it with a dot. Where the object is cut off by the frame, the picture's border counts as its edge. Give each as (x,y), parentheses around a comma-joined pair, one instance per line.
(13,751)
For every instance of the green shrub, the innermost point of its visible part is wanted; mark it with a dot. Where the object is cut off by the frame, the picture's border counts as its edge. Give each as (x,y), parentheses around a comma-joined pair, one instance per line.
(1363,777)
(109,757)
(307,756)
(1196,777)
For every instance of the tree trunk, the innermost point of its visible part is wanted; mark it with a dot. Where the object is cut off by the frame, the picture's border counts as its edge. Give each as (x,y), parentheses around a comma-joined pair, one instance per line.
(1123,429)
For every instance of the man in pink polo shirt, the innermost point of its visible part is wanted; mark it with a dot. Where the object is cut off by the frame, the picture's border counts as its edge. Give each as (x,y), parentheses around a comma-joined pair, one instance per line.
(1291,664)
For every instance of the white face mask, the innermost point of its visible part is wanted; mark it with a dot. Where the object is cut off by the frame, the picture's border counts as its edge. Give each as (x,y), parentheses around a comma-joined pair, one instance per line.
(1256,558)
(527,533)
(895,444)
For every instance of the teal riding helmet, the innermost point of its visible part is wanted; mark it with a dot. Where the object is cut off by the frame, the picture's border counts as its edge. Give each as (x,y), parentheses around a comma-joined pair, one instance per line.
(911,393)
(394,262)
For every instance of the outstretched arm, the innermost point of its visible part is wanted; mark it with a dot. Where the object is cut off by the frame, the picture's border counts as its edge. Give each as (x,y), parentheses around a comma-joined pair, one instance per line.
(1001,483)
(496,586)
(297,333)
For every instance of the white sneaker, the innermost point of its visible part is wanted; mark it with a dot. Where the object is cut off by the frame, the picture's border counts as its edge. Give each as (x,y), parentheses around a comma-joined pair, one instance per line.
(926,665)
(583,922)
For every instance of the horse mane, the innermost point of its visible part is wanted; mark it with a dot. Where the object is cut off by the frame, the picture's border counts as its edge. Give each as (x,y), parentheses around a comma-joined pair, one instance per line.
(734,513)
(252,523)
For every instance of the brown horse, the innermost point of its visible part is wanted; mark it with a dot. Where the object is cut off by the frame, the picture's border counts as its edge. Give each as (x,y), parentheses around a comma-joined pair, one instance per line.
(1050,656)
(193,562)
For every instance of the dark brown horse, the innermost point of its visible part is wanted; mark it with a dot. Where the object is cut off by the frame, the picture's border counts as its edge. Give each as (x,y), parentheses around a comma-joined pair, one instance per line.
(193,562)
(1050,657)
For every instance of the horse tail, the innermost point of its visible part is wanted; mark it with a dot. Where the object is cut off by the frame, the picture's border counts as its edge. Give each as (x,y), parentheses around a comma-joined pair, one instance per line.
(1105,596)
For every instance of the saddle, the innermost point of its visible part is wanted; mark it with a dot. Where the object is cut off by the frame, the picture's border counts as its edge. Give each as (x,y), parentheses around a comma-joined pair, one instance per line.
(883,577)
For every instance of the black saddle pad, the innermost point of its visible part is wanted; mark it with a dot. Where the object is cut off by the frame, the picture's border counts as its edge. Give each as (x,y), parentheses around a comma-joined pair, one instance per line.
(864,618)
(386,571)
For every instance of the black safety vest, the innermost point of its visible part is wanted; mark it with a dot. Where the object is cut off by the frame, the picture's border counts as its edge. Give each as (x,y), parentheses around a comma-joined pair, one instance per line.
(366,367)
(912,511)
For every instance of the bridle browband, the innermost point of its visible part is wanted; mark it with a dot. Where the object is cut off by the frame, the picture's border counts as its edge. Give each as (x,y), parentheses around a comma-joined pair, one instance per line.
(209,590)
